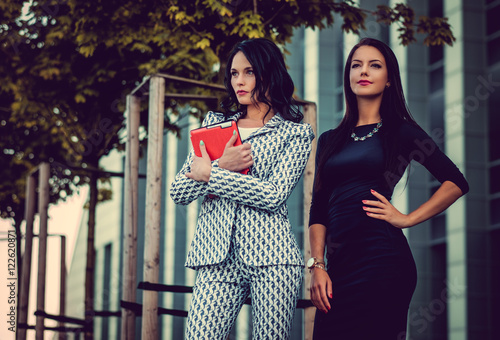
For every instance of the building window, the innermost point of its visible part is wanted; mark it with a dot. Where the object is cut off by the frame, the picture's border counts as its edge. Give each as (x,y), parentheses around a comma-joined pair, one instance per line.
(493,31)
(438,306)
(436,53)
(492,22)
(495,179)
(493,53)
(106,290)
(494,115)
(436,108)
(494,50)
(495,211)
(438,261)
(494,301)
(436,79)
(438,227)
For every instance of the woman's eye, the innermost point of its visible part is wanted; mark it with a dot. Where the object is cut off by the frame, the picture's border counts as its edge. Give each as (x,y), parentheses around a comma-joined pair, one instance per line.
(376,66)
(250,72)
(234,74)
(354,65)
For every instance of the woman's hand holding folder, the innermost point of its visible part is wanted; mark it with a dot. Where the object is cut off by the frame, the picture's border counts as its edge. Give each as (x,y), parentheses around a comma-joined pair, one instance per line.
(234,158)
(201,166)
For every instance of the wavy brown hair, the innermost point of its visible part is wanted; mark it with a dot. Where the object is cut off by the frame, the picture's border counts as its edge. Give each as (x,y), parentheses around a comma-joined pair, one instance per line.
(271,78)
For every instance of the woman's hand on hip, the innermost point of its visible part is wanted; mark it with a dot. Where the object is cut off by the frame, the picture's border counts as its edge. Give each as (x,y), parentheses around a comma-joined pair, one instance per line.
(384,210)
(201,166)
(236,158)
(321,289)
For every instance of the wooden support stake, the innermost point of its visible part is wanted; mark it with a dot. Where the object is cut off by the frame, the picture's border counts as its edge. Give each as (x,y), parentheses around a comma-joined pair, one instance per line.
(43,206)
(130,216)
(62,286)
(153,206)
(309,117)
(24,289)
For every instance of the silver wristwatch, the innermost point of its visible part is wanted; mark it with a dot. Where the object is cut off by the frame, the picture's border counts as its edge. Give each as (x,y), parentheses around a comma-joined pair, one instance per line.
(314,262)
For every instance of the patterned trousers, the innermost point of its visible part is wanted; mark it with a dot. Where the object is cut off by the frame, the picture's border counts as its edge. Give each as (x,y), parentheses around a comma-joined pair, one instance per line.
(221,290)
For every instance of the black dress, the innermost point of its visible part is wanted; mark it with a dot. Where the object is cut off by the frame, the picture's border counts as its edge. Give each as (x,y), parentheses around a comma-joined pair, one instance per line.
(368,260)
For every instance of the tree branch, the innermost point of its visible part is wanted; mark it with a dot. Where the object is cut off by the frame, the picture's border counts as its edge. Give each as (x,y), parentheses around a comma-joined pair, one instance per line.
(273,16)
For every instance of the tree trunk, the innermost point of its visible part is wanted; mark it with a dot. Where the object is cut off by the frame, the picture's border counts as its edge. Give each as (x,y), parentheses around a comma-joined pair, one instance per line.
(19,262)
(19,236)
(89,270)
(25,277)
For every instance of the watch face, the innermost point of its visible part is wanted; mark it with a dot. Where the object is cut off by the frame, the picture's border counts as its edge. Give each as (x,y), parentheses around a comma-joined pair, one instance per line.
(310,262)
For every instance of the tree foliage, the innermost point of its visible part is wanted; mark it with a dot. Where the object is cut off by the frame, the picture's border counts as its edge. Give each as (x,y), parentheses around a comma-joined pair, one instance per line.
(70,63)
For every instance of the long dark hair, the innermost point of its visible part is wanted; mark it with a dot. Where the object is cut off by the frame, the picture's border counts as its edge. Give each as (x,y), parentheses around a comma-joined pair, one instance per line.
(271,78)
(393,111)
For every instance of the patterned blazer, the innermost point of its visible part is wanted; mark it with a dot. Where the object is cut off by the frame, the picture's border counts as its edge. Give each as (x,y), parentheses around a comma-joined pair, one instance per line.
(251,208)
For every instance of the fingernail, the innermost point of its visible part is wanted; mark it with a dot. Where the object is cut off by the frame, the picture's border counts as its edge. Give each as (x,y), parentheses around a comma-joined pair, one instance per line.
(372,190)
(201,142)
(234,132)
(331,295)
(364,201)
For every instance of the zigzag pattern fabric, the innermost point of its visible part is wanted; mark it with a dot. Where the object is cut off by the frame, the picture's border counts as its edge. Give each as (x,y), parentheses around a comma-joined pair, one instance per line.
(255,204)
(221,290)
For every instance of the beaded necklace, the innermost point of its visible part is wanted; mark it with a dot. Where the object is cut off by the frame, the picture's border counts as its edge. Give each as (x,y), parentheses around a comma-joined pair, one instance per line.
(370,134)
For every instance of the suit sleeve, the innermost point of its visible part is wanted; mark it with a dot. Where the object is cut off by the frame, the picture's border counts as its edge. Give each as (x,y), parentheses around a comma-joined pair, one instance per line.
(272,193)
(184,190)
(421,148)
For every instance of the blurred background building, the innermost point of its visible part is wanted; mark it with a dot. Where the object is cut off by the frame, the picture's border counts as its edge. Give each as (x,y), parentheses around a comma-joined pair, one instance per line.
(453,94)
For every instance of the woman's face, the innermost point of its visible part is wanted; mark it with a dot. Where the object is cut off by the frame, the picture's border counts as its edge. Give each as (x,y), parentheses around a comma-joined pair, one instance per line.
(368,75)
(242,79)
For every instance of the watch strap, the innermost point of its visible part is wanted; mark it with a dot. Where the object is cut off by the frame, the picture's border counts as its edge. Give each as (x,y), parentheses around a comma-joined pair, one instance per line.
(318,265)
(315,262)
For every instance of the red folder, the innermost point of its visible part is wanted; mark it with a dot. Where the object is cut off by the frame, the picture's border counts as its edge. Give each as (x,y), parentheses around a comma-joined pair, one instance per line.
(215,137)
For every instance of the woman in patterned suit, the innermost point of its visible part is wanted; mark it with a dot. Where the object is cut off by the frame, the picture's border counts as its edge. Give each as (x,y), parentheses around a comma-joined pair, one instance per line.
(243,244)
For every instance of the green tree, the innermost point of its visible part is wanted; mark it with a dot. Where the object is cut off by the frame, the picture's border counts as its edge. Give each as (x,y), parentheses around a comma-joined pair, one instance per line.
(68,64)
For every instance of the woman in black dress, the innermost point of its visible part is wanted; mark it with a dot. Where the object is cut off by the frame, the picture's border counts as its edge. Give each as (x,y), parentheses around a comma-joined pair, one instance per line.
(365,290)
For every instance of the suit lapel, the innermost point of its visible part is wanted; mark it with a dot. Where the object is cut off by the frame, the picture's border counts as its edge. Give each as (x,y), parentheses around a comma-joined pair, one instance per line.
(271,125)
(236,116)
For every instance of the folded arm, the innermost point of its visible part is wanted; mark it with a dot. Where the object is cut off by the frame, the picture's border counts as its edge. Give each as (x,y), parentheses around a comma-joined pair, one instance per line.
(268,194)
